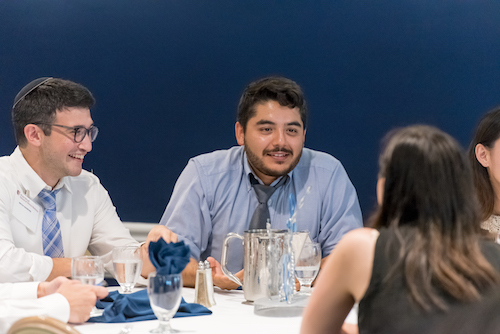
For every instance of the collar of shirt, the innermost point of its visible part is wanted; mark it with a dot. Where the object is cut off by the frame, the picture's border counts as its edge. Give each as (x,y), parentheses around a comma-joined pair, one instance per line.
(31,182)
(248,170)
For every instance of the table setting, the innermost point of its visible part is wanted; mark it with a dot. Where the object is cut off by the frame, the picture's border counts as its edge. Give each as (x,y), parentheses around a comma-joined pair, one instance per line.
(231,313)
(130,309)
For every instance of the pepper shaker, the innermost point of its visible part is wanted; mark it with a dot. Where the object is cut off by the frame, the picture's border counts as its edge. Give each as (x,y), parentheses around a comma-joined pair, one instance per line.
(204,287)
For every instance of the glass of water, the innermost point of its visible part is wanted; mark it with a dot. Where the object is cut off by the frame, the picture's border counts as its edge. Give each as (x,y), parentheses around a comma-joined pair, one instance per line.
(165,294)
(88,270)
(127,265)
(307,265)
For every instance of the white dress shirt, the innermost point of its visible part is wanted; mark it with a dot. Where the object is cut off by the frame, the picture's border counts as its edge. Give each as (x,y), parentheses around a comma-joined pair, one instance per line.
(19,300)
(85,213)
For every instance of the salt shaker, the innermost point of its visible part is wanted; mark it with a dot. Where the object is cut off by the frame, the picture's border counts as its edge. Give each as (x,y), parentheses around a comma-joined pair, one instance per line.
(204,288)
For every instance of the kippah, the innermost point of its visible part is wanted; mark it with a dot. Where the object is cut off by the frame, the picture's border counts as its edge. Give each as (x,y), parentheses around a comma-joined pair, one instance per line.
(29,88)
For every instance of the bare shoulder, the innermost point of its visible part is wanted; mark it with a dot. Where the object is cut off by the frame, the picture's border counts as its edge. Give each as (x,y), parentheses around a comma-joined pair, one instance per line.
(356,244)
(356,247)
(359,239)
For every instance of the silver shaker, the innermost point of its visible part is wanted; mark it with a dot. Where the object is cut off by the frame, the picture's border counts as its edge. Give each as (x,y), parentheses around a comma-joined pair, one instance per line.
(204,287)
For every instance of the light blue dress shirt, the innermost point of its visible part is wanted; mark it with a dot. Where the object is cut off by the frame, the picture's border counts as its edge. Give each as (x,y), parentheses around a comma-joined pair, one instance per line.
(213,197)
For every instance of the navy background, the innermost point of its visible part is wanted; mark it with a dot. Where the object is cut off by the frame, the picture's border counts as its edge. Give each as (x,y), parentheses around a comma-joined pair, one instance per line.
(167,76)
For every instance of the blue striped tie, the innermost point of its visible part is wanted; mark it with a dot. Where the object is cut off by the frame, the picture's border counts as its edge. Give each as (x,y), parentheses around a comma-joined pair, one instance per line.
(51,231)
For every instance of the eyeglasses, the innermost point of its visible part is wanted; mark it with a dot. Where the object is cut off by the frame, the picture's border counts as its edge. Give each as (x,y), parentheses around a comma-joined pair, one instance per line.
(79,131)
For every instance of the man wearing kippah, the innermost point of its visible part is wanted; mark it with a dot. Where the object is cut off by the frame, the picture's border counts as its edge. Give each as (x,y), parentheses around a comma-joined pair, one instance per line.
(250,185)
(50,209)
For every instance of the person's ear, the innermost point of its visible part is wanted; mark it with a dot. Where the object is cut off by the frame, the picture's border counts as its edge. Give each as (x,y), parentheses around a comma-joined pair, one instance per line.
(240,134)
(482,155)
(380,190)
(33,134)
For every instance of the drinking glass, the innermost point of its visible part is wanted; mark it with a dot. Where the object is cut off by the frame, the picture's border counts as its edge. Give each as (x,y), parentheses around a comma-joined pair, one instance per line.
(127,264)
(165,293)
(88,270)
(307,265)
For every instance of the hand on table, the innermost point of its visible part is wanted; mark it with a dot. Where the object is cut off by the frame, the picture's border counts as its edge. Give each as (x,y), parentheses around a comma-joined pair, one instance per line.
(297,284)
(219,278)
(48,288)
(81,298)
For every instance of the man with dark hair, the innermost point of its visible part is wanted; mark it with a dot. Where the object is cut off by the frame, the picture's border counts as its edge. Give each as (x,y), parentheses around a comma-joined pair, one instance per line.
(50,209)
(249,185)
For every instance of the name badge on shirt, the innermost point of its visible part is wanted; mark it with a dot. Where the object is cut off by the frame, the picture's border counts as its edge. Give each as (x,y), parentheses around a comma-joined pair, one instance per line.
(26,211)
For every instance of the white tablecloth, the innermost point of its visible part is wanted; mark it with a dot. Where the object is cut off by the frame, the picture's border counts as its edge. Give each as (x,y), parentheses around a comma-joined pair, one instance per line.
(231,315)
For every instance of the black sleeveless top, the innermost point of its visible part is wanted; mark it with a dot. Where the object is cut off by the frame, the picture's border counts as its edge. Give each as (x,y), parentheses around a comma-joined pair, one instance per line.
(387,307)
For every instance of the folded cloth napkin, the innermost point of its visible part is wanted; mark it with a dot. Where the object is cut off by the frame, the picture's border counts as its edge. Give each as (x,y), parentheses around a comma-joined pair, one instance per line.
(135,307)
(168,258)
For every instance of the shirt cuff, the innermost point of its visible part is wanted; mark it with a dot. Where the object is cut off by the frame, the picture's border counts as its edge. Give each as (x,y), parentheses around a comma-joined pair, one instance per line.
(41,268)
(24,290)
(56,306)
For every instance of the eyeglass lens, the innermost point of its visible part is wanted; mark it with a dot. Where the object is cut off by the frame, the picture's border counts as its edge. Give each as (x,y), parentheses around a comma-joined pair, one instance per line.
(81,132)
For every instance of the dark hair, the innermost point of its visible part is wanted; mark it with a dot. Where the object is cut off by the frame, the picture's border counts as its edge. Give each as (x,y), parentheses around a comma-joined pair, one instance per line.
(41,104)
(429,191)
(282,90)
(487,132)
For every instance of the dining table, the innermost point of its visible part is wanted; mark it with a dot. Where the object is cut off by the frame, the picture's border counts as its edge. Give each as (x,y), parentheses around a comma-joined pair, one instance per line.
(231,314)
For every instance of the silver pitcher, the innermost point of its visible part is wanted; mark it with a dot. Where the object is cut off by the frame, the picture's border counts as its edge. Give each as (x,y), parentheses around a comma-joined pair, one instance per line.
(262,268)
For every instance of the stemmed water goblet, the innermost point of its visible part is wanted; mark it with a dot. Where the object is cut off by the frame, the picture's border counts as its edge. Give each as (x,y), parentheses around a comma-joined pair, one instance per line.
(127,265)
(307,265)
(88,270)
(165,294)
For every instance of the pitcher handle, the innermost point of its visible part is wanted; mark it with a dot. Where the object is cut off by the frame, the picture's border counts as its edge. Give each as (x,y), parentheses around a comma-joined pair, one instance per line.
(223,261)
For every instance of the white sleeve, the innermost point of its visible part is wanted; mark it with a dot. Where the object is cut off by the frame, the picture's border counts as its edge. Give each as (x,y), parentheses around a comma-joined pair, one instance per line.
(54,306)
(21,290)
(16,264)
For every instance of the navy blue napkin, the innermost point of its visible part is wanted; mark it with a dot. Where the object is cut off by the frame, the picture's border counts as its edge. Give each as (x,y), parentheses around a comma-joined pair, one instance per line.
(135,307)
(168,258)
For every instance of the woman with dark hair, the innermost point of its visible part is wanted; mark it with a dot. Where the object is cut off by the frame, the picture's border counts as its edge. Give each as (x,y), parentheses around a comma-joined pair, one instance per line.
(426,253)
(484,156)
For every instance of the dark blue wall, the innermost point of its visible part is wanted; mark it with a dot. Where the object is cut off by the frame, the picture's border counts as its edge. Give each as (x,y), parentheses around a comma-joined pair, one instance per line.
(167,76)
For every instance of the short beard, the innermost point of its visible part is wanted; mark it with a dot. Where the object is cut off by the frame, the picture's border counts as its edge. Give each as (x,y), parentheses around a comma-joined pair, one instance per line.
(257,164)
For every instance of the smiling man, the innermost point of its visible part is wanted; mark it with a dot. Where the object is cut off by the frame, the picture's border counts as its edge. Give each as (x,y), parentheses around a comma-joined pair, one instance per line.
(248,185)
(50,209)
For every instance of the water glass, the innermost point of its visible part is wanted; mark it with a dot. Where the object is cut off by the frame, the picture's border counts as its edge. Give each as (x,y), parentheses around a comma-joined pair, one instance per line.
(88,270)
(165,294)
(127,265)
(307,265)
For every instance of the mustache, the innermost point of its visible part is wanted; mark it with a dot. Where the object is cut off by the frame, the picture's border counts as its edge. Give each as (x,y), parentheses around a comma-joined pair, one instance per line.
(278,149)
